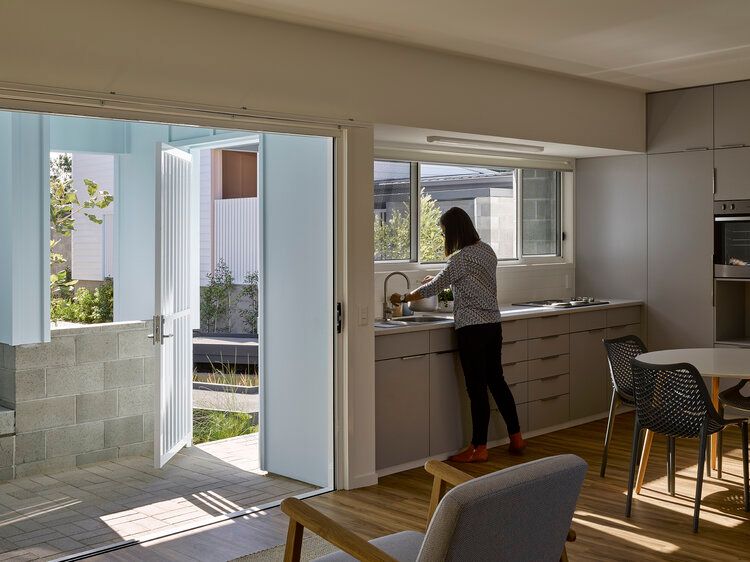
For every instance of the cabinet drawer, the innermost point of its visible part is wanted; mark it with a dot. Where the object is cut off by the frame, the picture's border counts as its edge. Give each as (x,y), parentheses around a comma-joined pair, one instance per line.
(549,366)
(623,316)
(549,386)
(629,330)
(401,345)
(520,392)
(516,372)
(549,326)
(548,412)
(549,346)
(515,351)
(582,321)
(498,431)
(443,339)
(514,330)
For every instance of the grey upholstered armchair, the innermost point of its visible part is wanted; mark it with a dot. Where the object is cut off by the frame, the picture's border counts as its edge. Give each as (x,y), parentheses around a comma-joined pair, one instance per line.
(516,514)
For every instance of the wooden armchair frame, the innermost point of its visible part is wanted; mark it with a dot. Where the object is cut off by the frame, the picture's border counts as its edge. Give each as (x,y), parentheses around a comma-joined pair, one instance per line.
(303,516)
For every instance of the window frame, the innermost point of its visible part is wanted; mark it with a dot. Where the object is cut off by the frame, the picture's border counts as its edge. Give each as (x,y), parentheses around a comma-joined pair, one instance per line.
(519,260)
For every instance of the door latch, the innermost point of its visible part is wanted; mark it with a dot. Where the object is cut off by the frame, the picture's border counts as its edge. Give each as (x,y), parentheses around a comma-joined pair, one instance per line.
(158,336)
(339,317)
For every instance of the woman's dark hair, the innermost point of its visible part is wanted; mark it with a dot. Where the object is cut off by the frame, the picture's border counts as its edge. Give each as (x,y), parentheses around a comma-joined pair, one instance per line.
(459,230)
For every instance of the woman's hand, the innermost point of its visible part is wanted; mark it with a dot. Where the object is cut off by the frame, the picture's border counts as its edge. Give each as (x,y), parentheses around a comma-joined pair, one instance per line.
(427,279)
(395,299)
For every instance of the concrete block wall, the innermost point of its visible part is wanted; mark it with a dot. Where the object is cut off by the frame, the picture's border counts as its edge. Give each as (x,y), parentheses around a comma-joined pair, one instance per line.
(540,221)
(85,396)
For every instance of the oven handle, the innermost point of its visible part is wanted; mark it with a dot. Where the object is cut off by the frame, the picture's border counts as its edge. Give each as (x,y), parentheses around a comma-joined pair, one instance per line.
(732,219)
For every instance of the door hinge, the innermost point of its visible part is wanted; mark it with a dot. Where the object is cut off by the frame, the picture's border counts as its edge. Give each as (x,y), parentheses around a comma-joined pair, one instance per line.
(339,317)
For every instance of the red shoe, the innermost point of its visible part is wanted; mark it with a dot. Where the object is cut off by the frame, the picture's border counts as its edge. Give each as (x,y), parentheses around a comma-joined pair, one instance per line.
(471,454)
(517,444)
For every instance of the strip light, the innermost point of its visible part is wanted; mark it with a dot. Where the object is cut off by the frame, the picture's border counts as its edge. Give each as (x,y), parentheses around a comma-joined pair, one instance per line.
(457,141)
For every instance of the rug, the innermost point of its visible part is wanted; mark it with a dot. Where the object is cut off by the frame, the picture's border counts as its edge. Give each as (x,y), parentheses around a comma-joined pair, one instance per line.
(312,548)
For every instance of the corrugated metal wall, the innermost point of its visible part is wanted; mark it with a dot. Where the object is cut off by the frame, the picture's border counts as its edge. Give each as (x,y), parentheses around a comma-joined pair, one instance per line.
(236,235)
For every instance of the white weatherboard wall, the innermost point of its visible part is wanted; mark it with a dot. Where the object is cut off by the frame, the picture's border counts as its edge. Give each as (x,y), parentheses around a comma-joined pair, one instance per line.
(24,228)
(92,243)
(296,315)
(206,227)
(236,234)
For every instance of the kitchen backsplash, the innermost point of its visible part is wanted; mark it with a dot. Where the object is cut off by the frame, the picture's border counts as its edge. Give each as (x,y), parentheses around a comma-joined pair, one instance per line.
(516,283)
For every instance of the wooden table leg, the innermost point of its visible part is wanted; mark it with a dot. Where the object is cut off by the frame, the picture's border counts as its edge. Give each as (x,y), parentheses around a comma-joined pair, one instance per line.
(714,437)
(644,460)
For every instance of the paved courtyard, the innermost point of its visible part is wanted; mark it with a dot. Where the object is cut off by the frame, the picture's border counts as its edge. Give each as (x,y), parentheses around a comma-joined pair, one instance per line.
(45,517)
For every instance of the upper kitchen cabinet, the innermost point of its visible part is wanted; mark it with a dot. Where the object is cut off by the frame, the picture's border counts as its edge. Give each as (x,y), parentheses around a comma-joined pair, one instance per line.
(732,173)
(732,114)
(680,250)
(680,120)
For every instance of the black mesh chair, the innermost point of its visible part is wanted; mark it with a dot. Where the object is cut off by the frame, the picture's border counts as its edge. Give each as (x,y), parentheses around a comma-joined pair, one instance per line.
(731,397)
(620,352)
(673,400)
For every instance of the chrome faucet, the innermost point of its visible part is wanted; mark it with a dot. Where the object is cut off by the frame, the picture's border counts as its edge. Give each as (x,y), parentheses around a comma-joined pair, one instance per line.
(387,310)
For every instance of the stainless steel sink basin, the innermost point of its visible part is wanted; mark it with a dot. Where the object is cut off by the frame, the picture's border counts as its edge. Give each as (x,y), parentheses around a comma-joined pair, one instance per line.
(420,319)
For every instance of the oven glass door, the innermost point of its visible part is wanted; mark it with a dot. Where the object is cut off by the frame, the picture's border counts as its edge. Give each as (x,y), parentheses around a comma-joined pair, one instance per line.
(732,238)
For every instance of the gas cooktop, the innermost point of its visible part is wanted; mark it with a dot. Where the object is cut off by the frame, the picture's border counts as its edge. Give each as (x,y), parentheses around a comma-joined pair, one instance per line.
(558,303)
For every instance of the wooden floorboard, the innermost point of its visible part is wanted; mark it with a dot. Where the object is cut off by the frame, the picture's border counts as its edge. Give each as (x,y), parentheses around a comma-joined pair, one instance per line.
(660,528)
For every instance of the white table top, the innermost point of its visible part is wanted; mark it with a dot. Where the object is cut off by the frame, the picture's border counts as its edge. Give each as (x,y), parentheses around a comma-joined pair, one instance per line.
(710,361)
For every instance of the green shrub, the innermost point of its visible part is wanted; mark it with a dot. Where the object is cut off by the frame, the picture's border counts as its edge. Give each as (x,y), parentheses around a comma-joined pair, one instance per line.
(212,425)
(86,307)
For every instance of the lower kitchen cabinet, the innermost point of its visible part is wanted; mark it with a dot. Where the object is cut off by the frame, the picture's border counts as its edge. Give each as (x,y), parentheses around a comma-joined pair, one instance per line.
(549,411)
(588,373)
(448,403)
(402,407)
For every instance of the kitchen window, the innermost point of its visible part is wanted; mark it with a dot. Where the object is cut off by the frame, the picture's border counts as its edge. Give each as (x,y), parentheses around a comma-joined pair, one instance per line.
(516,211)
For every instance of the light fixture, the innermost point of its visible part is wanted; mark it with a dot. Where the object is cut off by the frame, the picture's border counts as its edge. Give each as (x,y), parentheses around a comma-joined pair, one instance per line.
(457,141)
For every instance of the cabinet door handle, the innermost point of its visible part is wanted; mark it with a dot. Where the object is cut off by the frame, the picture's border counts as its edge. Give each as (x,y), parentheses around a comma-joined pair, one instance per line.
(444,352)
(550,378)
(737,145)
(411,357)
(596,330)
(696,148)
(550,398)
(550,357)
(549,337)
(510,364)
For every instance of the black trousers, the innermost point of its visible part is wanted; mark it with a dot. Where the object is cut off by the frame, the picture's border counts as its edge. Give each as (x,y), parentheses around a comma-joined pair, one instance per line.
(479,348)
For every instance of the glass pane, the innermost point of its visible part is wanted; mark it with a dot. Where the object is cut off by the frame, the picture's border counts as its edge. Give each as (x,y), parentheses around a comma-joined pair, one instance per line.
(487,195)
(392,210)
(540,201)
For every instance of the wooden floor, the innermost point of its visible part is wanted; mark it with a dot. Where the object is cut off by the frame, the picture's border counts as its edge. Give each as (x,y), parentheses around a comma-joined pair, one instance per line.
(660,528)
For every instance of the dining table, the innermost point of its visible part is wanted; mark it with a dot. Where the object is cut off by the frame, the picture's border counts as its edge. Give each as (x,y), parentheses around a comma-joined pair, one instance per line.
(714,363)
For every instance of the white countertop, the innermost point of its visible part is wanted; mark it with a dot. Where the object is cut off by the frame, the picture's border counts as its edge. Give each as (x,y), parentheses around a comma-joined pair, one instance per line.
(507,312)
(710,361)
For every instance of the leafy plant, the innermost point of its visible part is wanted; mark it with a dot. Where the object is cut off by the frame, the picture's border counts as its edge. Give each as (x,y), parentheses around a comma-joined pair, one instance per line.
(249,299)
(64,206)
(392,237)
(212,425)
(85,307)
(216,299)
(445,295)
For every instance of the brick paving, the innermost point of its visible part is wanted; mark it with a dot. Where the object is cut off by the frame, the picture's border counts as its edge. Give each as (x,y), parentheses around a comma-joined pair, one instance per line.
(46,517)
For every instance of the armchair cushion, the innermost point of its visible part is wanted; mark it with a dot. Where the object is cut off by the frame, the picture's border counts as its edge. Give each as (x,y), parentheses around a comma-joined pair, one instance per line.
(403,546)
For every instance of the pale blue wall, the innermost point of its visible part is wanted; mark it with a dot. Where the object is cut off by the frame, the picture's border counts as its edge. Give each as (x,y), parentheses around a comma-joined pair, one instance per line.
(82,134)
(24,228)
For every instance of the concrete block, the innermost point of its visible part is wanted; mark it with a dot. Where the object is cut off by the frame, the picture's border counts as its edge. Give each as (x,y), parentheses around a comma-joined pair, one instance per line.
(59,352)
(30,447)
(135,400)
(45,414)
(145,449)
(7,448)
(73,330)
(91,348)
(8,356)
(123,431)
(149,372)
(135,343)
(81,438)
(126,326)
(7,387)
(122,373)
(97,456)
(78,379)
(96,406)
(148,426)
(30,385)
(48,466)
(7,473)
(7,421)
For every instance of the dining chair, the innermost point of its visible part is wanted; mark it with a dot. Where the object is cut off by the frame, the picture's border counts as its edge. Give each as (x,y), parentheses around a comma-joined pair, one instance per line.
(672,400)
(620,352)
(519,513)
(733,398)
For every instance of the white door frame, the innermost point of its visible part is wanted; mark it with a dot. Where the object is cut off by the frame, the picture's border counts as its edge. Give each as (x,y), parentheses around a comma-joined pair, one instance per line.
(22,97)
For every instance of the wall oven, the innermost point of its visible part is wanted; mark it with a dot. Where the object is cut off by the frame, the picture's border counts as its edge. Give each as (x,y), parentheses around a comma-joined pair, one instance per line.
(732,239)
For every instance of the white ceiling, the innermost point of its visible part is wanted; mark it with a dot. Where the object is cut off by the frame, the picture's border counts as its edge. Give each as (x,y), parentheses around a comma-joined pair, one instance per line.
(644,44)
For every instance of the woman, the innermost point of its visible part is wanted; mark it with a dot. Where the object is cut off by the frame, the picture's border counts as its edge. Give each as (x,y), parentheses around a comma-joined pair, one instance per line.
(472,272)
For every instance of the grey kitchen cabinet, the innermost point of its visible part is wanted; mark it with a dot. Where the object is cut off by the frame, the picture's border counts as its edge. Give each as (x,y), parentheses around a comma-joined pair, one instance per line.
(402,406)
(732,114)
(680,250)
(732,173)
(588,373)
(680,120)
(448,405)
